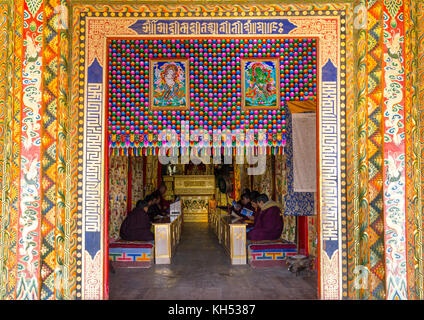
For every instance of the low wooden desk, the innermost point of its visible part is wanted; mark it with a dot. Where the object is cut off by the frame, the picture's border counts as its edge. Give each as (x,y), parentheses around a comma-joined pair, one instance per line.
(215,220)
(167,236)
(231,234)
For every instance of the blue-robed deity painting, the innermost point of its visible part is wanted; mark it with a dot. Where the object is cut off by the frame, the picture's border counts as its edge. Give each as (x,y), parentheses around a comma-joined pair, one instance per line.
(260,83)
(168,84)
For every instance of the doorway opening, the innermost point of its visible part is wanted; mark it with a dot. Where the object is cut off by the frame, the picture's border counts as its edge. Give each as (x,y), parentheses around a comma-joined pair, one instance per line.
(200,264)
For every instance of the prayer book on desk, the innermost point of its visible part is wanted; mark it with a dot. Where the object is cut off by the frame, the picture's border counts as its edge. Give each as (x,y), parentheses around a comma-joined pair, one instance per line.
(246,212)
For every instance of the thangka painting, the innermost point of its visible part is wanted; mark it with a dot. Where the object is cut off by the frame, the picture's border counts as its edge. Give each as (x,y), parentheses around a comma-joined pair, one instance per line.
(261,83)
(169,84)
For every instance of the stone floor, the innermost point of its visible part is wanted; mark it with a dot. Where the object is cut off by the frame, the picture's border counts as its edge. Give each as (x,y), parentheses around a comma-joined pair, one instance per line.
(201,270)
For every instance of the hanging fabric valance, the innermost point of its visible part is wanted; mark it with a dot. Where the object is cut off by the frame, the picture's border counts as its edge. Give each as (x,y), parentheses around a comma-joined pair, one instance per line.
(211,84)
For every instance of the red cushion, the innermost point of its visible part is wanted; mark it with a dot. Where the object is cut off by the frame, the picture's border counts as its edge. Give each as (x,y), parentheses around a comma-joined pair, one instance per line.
(272,246)
(268,241)
(131,244)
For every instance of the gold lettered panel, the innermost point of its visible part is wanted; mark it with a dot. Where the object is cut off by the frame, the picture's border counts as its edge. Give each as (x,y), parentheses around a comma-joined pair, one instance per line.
(162,243)
(194,185)
(238,243)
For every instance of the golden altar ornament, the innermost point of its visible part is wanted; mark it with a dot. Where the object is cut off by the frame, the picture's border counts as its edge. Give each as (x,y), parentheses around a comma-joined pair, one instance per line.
(195,192)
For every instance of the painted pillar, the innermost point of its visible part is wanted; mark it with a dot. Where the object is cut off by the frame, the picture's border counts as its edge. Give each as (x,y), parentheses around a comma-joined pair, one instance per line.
(54,274)
(11,151)
(33,198)
(4,8)
(129,184)
(4,23)
(418,98)
(394,150)
(365,265)
(413,17)
(371,244)
(237,181)
(29,228)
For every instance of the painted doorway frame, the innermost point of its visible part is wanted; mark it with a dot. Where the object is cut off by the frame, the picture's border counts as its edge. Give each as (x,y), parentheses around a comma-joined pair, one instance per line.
(90,35)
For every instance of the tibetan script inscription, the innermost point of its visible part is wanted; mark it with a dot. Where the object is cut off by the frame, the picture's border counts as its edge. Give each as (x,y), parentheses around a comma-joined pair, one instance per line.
(215,27)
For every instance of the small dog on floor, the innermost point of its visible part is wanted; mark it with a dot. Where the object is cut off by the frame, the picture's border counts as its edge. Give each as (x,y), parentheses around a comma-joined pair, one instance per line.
(298,263)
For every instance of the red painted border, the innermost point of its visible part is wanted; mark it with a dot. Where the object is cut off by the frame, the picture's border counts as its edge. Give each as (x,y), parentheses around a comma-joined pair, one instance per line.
(302,231)
(106,284)
(274,191)
(233,194)
(159,174)
(144,174)
(106,191)
(129,185)
(318,230)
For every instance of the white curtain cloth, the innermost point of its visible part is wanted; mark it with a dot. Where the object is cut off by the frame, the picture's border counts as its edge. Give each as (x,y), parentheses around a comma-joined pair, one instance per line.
(304,152)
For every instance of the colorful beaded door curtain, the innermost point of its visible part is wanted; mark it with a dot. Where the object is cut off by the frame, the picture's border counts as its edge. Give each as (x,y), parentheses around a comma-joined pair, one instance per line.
(215,84)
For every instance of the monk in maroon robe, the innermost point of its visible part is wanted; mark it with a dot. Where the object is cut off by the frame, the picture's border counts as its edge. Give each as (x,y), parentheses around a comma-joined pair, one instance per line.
(136,226)
(154,206)
(268,223)
(244,203)
(256,210)
(164,204)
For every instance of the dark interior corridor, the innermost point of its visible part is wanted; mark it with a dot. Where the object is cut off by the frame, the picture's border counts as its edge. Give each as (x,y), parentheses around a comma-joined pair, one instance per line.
(201,270)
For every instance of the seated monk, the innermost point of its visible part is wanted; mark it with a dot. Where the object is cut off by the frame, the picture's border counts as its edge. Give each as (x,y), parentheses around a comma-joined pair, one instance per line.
(244,203)
(136,226)
(268,223)
(163,204)
(150,213)
(255,208)
(154,208)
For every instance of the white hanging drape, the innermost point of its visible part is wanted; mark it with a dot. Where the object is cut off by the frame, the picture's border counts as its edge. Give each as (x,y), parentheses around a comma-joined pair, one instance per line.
(304,152)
